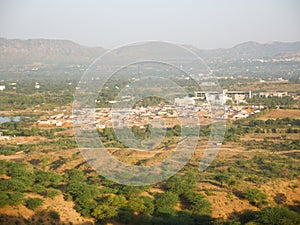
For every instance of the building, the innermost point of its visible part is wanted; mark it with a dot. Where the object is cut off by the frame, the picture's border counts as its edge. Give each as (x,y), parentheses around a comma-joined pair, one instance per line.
(184,102)
(2,87)
(37,85)
(279,94)
(236,96)
(203,94)
(4,138)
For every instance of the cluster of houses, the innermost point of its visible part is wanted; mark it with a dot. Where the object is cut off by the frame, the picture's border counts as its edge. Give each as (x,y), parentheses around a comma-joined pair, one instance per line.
(186,107)
(56,120)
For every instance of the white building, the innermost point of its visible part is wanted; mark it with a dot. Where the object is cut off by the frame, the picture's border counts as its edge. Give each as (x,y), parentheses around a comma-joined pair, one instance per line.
(279,94)
(2,87)
(184,102)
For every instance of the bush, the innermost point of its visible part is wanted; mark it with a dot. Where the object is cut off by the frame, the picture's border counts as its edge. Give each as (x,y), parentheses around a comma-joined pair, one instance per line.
(51,192)
(109,207)
(136,204)
(38,188)
(12,185)
(125,215)
(47,178)
(4,200)
(34,203)
(165,203)
(54,215)
(256,197)
(278,216)
(16,198)
(199,205)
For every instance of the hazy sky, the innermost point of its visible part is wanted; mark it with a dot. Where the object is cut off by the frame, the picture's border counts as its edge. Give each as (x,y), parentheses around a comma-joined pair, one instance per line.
(109,23)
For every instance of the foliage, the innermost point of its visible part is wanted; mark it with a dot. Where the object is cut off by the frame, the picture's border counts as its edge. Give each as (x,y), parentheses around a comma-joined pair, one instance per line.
(12,185)
(277,216)
(198,204)
(165,203)
(51,192)
(16,198)
(109,207)
(47,178)
(34,203)
(256,197)
(4,199)
(180,184)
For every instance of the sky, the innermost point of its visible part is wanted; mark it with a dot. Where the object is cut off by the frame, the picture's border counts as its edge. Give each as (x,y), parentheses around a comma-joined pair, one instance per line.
(205,24)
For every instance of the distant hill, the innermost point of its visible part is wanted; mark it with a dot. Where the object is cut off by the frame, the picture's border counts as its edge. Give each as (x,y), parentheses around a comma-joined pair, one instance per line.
(274,49)
(45,51)
(250,50)
(61,52)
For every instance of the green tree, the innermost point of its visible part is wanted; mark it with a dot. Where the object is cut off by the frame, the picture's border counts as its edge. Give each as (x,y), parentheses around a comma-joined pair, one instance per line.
(47,178)
(278,216)
(136,204)
(12,185)
(165,203)
(125,215)
(198,204)
(109,207)
(75,175)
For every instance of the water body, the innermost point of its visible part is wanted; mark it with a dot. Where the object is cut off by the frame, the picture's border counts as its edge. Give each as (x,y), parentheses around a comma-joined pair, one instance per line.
(5,119)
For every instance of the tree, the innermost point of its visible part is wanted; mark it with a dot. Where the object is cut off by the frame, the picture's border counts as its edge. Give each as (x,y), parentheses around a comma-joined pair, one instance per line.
(165,203)
(136,204)
(102,212)
(47,178)
(198,204)
(125,215)
(12,185)
(75,175)
(149,205)
(82,191)
(109,207)
(182,184)
(277,216)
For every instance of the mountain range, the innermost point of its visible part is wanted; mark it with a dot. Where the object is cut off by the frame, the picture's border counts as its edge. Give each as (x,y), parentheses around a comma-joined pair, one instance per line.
(60,52)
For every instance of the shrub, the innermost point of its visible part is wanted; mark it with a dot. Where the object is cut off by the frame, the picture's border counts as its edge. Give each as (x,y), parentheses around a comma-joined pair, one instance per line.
(256,197)
(165,203)
(4,200)
(51,192)
(278,216)
(34,203)
(16,198)
(54,215)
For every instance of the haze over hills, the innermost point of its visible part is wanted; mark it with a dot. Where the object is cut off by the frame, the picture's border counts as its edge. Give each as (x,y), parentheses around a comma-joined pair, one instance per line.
(16,51)
(63,59)
(251,49)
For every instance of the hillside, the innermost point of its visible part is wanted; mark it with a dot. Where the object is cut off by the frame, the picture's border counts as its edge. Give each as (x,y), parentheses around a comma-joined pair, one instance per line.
(20,52)
(45,51)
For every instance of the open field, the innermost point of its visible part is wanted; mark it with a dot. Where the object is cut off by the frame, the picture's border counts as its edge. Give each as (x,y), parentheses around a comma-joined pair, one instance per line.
(282,113)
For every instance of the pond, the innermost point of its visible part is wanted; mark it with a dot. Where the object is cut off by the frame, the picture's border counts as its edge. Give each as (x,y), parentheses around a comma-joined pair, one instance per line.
(5,119)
